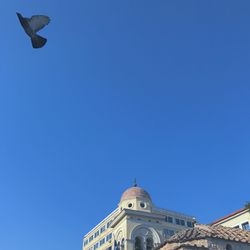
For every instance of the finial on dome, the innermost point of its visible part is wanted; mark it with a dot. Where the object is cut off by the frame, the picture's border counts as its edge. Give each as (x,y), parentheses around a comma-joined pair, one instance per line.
(135,183)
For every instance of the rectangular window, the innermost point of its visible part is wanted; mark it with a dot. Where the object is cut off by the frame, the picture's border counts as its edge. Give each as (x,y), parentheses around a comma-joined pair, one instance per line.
(96,245)
(169,219)
(177,221)
(91,238)
(182,222)
(190,224)
(96,233)
(85,242)
(109,237)
(102,229)
(245,226)
(102,241)
(168,232)
(108,224)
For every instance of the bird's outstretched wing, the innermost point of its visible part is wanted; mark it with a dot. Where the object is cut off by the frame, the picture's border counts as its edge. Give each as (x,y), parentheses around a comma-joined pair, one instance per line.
(38,22)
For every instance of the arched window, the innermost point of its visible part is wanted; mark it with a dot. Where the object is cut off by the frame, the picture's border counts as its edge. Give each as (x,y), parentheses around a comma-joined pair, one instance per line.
(117,245)
(149,244)
(229,247)
(138,243)
(122,244)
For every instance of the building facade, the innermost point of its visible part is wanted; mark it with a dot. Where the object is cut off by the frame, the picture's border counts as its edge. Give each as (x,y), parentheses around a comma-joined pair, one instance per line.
(136,224)
(203,237)
(239,219)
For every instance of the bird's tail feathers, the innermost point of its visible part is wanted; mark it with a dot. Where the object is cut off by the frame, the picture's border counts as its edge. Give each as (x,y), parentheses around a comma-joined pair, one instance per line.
(38,41)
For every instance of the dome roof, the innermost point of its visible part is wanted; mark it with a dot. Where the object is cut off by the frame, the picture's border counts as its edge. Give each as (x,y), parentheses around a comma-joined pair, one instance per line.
(135,192)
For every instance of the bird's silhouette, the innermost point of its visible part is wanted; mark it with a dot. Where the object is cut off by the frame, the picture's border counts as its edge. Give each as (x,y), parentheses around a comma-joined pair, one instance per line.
(33,25)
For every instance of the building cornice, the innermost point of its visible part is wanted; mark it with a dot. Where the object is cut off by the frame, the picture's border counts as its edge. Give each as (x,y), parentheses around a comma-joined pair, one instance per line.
(130,212)
(171,212)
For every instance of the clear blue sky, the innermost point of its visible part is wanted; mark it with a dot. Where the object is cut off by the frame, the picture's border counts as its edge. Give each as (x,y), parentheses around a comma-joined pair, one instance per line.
(158,90)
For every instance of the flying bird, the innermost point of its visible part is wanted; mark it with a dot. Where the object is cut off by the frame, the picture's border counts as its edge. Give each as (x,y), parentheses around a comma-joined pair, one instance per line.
(33,25)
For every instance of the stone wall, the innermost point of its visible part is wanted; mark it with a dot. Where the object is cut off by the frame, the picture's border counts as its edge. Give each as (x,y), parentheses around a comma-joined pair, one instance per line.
(220,244)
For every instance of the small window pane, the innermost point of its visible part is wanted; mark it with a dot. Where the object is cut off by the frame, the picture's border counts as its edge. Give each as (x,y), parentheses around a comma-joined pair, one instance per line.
(108,224)
(168,233)
(138,244)
(169,219)
(109,237)
(246,226)
(102,241)
(102,229)
(150,244)
(182,222)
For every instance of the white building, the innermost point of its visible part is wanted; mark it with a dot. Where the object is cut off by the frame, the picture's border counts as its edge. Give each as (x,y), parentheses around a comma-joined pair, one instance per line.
(238,219)
(135,224)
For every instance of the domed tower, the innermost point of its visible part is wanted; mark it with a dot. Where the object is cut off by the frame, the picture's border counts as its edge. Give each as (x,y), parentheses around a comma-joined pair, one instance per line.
(136,198)
(135,224)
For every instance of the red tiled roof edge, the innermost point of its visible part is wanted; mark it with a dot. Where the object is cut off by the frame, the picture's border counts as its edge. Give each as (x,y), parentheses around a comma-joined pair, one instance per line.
(229,215)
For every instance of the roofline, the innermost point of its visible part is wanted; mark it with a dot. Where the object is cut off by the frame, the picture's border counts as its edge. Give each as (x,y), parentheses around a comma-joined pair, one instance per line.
(172,212)
(94,228)
(229,215)
(152,215)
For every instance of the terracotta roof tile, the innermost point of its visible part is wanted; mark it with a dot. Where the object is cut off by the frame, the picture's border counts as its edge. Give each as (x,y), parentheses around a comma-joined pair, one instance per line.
(215,231)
